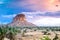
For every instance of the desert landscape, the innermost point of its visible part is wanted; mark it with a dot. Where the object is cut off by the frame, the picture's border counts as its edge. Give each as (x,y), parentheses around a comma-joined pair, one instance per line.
(29,19)
(20,29)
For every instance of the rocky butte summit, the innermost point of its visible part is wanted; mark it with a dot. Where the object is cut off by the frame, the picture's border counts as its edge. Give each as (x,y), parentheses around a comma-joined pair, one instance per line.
(20,21)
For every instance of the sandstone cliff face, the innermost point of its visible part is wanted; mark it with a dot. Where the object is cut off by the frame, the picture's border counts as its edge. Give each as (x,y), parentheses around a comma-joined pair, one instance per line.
(20,21)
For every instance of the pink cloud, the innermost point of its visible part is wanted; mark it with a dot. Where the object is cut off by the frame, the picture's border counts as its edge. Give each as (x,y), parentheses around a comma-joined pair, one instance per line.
(36,5)
(39,5)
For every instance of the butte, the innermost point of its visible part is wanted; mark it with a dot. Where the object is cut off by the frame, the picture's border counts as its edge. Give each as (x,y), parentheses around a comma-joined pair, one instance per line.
(20,21)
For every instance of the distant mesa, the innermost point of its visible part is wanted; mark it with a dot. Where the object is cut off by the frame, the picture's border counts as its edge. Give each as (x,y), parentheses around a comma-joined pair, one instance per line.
(20,21)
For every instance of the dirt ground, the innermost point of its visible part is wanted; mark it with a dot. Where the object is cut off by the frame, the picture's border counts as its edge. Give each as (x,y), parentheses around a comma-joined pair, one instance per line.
(37,35)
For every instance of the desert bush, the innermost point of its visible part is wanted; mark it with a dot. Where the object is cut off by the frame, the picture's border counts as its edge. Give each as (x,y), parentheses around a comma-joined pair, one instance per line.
(45,32)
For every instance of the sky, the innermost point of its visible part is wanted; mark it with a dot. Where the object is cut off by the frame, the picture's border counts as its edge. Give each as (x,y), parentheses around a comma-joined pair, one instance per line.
(38,12)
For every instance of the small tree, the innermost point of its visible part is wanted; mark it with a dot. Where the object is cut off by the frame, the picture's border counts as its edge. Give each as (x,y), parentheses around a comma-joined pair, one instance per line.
(45,32)
(2,32)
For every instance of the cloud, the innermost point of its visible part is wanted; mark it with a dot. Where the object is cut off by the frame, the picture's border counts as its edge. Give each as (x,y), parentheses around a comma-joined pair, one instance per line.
(3,22)
(1,2)
(33,13)
(48,14)
(43,18)
(0,22)
(4,19)
(8,16)
(49,21)
(38,5)
(35,5)
(38,14)
(32,16)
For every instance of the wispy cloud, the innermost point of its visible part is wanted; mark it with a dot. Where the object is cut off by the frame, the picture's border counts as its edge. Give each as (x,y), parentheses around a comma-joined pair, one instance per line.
(38,5)
(1,2)
(48,14)
(4,22)
(4,19)
(48,21)
(8,16)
